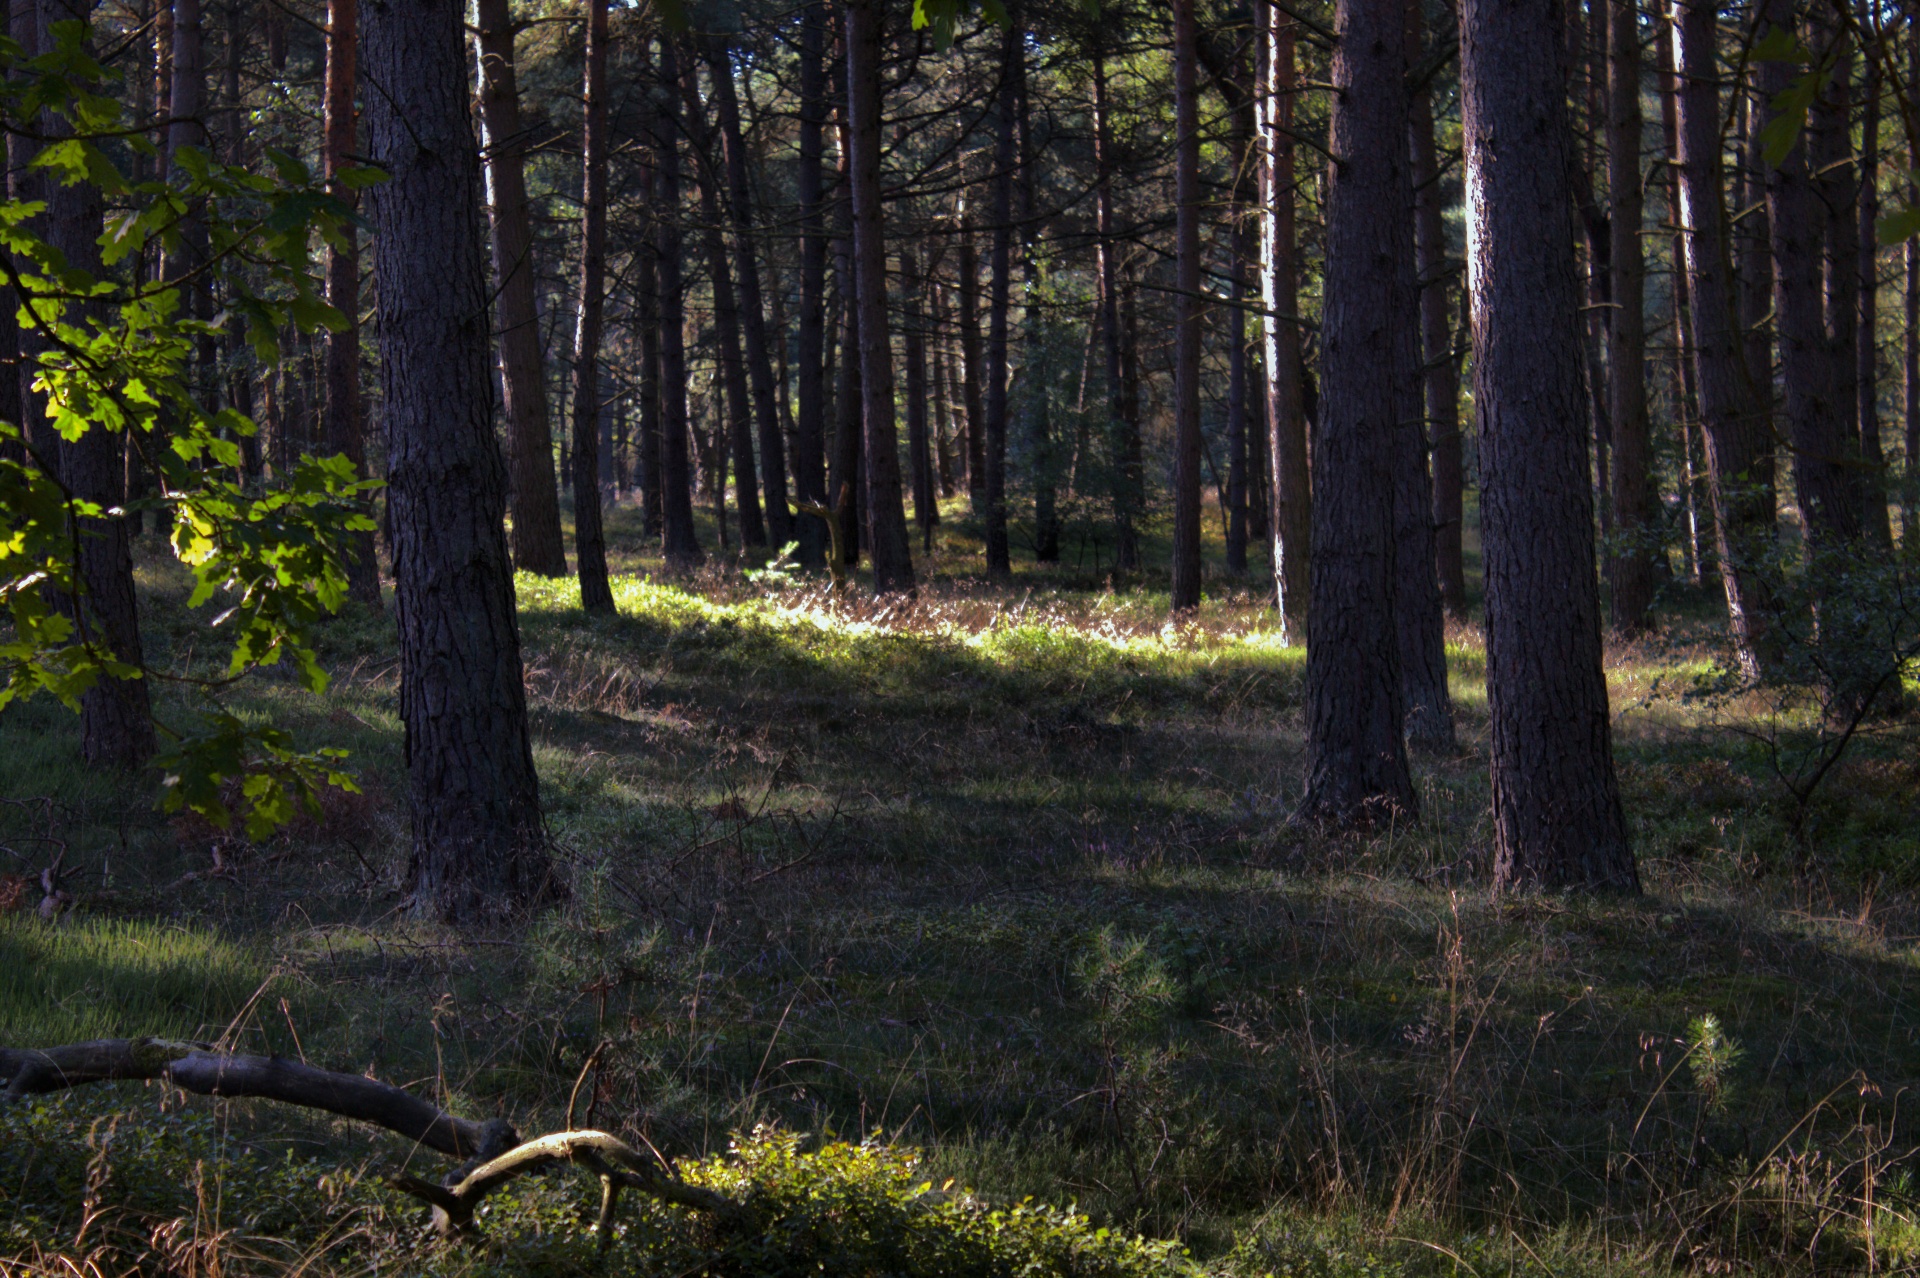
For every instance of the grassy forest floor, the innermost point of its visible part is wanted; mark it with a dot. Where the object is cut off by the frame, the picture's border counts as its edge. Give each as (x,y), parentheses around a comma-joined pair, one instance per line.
(1003,876)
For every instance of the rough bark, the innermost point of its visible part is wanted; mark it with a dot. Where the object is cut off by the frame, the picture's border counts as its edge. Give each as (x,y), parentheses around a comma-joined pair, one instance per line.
(1357,771)
(1556,801)
(538,544)
(589,536)
(478,843)
(752,305)
(999,303)
(1636,537)
(1440,370)
(810,422)
(1279,293)
(1186,311)
(1739,446)
(680,543)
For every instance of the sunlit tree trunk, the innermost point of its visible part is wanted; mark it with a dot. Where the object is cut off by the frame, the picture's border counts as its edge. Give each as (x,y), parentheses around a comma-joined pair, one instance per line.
(1556,802)
(1279,286)
(478,844)
(589,537)
(1357,771)
(538,546)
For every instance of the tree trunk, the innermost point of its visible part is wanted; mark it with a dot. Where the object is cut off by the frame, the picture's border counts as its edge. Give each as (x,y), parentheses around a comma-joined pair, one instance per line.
(926,512)
(1186,311)
(846,473)
(538,545)
(886,509)
(646,290)
(1440,370)
(1866,350)
(1279,287)
(1126,503)
(1356,754)
(478,843)
(970,374)
(1636,535)
(680,542)
(1733,417)
(1244,248)
(766,413)
(589,537)
(1556,802)
(999,302)
(344,431)
(810,425)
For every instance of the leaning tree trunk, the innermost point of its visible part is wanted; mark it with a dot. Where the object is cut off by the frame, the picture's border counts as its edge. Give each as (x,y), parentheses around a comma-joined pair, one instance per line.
(753,319)
(1738,438)
(1440,370)
(478,845)
(1558,819)
(810,418)
(1279,287)
(1186,311)
(1357,770)
(886,508)
(538,545)
(116,715)
(680,543)
(1556,802)
(589,537)
(999,302)
(344,429)
(1630,571)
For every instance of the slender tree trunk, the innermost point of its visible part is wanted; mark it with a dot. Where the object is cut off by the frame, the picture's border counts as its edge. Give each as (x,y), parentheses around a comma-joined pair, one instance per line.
(773,452)
(999,302)
(1879,523)
(1910,347)
(1556,802)
(1636,536)
(926,512)
(970,370)
(1356,755)
(1126,501)
(1244,250)
(847,476)
(810,424)
(1734,419)
(886,509)
(646,289)
(1279,276)
(478,844)
(680,542)
(538,545)
(1440,375)
(589,537)
(344,432)
(1186,312)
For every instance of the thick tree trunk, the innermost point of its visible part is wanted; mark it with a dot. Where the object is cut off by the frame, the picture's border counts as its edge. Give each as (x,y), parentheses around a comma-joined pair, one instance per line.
(589,536)
(478,842)
(810,423)
(1186,311)
(344,432)
(1125,493)
(752,306)
(538,545)
(1279,289)
(999,303)
(1356,754)
(1440,370)
(1734,418)
(116,715)
(1556,802)
(1636,536)
(886,507)
(680,543)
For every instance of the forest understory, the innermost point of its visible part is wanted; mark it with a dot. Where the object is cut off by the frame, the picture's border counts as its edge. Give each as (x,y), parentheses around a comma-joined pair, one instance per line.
(1002,876)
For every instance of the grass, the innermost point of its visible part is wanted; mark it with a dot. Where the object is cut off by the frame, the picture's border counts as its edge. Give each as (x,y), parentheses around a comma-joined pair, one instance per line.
(1005,875)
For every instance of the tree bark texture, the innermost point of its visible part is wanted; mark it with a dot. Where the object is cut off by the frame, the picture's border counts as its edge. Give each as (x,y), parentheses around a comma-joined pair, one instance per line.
(589,536)
(538,545)
(1125,491)
(1186,310)
(1356,754)
(1739,443)
(972,368)
(680,543)
(1279,293)
(999,302)
(1635,534)
(1556,801)
(810,421)
(926,512)
(478,843)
